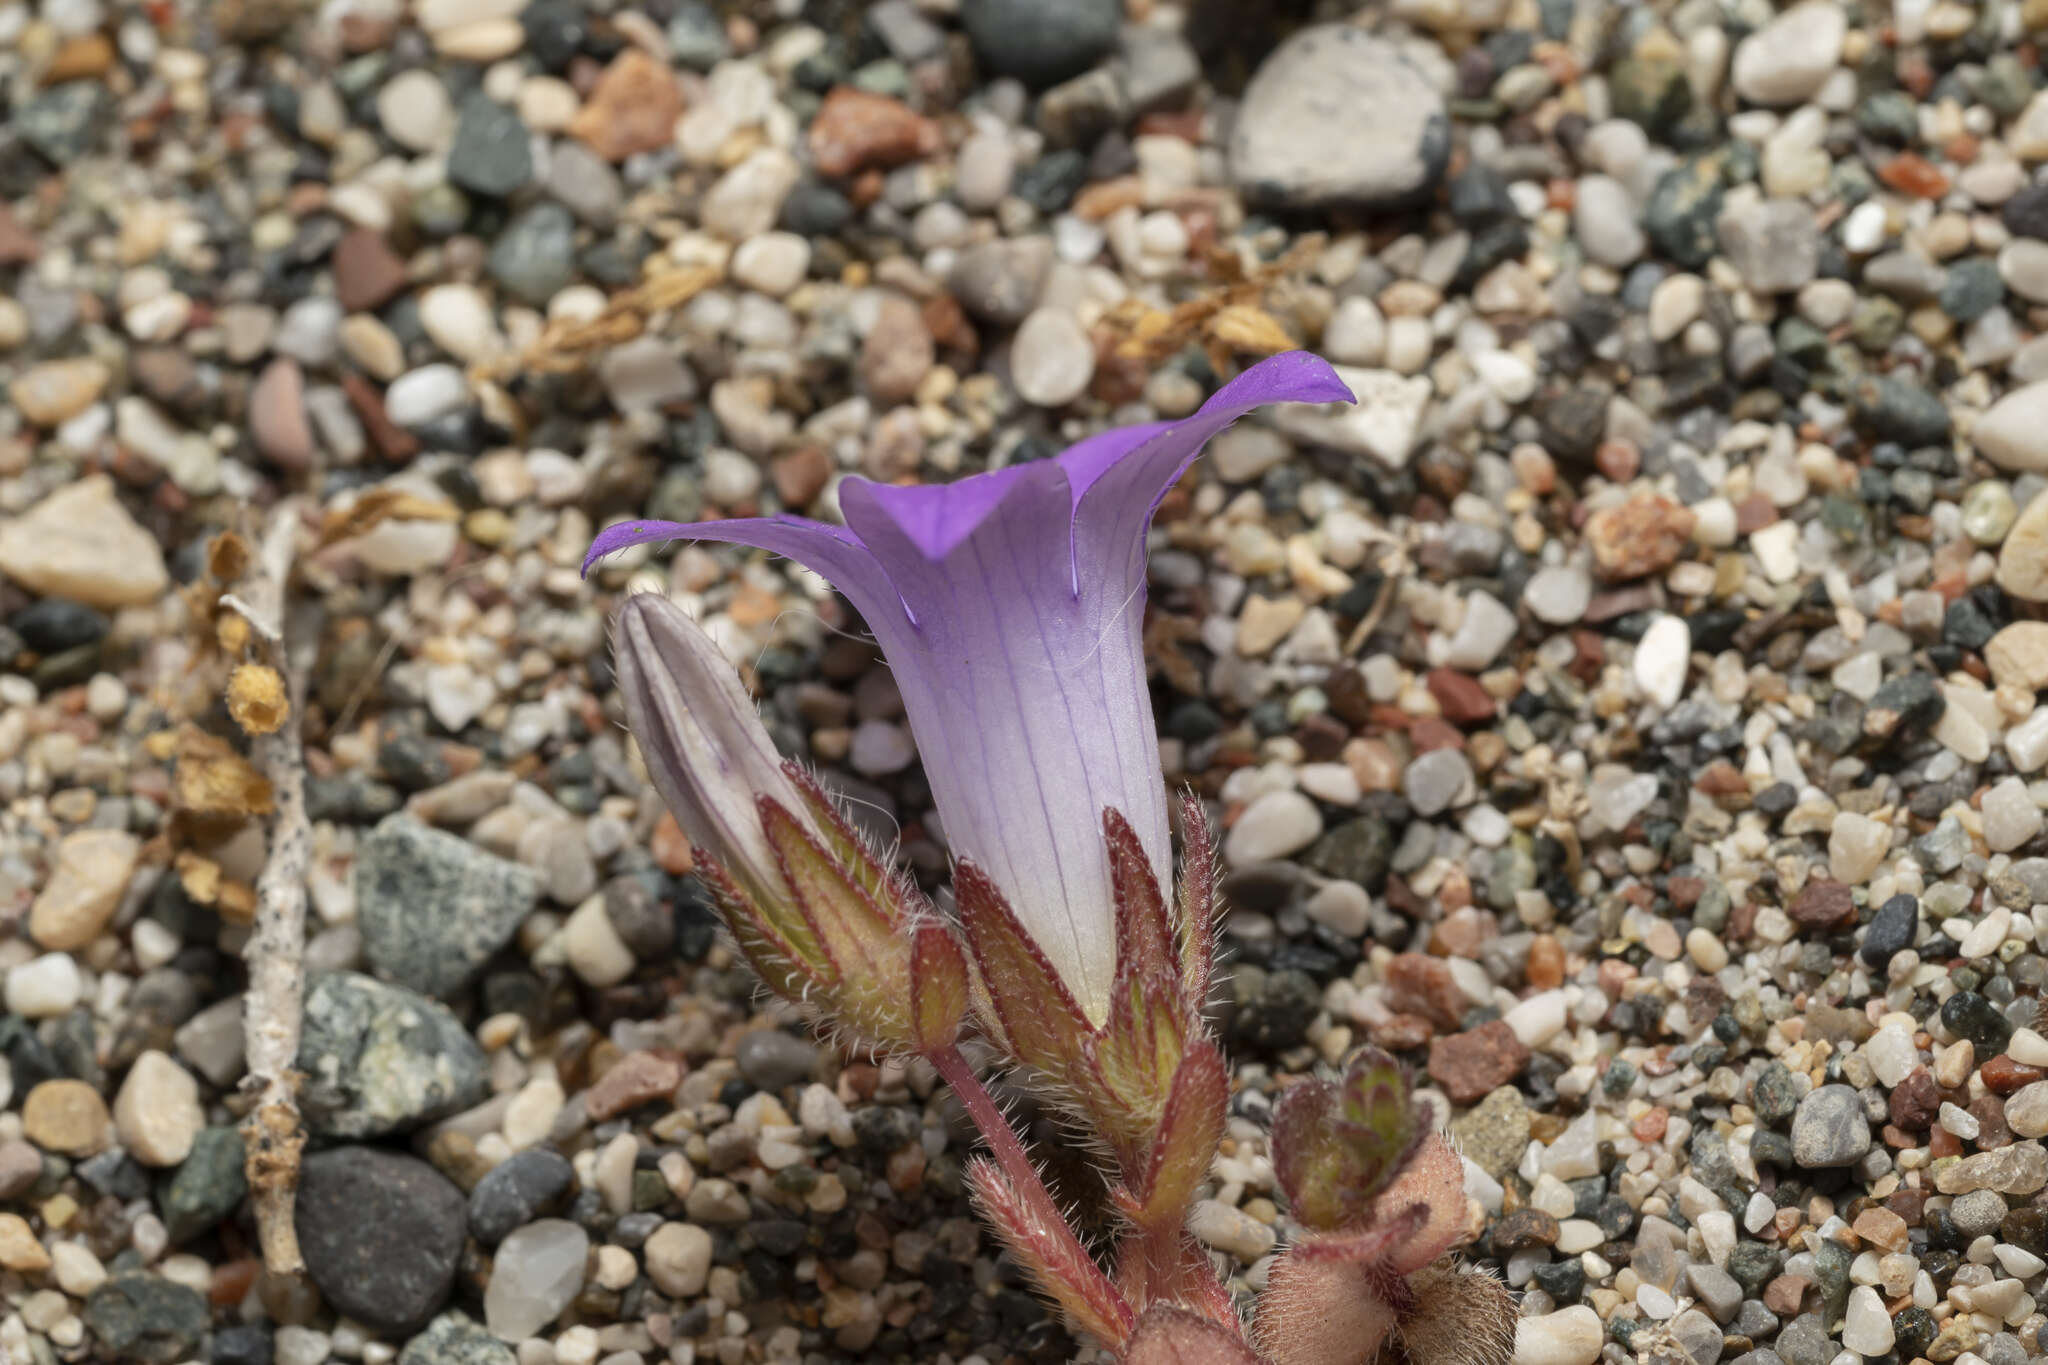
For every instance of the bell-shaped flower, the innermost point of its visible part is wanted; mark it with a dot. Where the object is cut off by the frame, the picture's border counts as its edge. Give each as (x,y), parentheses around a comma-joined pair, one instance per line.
(1009,606)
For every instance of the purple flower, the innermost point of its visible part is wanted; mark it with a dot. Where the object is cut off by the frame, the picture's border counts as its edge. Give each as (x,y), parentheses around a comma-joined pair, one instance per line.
(1009,607)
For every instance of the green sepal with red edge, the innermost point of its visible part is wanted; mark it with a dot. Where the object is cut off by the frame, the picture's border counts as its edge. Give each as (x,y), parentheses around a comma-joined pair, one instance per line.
(1336,1145)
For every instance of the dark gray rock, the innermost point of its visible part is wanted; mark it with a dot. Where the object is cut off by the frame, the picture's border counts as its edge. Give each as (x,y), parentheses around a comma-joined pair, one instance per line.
(434,907)
(207,1186)
(516,1191)
(534,258)
(1296,143)
(145,1317)
(381,1233)
(382,1059)
(492,152)
(64,121)
(1041,42)
(771,1059)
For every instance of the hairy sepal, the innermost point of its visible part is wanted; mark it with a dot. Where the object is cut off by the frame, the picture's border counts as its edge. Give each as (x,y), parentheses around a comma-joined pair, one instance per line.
(784,963)
(1196,922)
(1028,1004)
(938,987)
(1146,942)
(1189,1130)
(1081,1290)
(1166,1335)
(863,960)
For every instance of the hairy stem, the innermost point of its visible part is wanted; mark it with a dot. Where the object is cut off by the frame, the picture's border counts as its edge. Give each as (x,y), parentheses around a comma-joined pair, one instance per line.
(1008,1150)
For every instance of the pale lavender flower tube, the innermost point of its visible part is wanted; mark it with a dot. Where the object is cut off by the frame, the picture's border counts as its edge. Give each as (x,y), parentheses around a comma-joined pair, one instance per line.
(1009,606)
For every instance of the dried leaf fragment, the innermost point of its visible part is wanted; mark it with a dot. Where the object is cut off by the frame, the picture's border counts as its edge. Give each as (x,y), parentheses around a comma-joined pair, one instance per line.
(257,699)
(213,781)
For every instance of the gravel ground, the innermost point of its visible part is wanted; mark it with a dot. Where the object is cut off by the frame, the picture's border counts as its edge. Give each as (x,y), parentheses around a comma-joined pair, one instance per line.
(1628,713)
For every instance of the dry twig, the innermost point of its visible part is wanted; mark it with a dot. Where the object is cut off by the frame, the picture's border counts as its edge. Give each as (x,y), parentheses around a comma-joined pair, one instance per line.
(274,1134)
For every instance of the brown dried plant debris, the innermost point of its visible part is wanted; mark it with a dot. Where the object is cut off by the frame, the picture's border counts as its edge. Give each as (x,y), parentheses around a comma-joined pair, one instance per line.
(1226,317)
(257,699)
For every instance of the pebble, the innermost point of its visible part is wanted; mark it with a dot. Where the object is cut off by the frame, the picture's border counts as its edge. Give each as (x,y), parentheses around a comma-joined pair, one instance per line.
(1287,151)
(516,1191)
(434,908)
(1604,218)
(1273,826)
(1559,594)
(423,396)
(2013,434)
(67,1117)
(382,1059)
(53,392)
(1829,1128)
(157,1114)
(88,874)
(1787,60)
(773,263)
(1437,781)
(381,1233)
(44,987)
(1569,1336)
(678,1258)
(277,416)
(1051,359)
(81,543)
(1041,42)
(1663,657)
(536,1273)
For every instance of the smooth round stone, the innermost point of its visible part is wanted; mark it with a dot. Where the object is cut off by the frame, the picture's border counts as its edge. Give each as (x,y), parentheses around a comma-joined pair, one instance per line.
(678,1257)
(415,110)
(1041,42)
(44,987)
(1829,1128)
(425,395)
(1558,594)
(2023,265)
(1604,219)
(457,318)
(2018,655)
(1789,59)
(2013,434)
(1570,1336)
(157,1113)
(981,174)
(1988,511)
(773,263)
(1356,333)
(2023,557)
(1272,826)
(382,1233)
(1437,780)
(1051,359)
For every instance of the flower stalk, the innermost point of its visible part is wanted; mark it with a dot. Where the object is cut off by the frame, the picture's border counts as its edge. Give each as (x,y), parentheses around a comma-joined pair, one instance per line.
(1009,606)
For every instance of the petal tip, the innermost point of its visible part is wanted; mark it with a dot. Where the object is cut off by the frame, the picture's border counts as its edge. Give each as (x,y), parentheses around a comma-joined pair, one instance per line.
(1293,377)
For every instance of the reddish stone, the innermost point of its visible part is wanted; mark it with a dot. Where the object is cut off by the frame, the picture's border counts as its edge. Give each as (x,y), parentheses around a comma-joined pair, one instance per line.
(632,108)
(18,246)
(1403,1032)
(1647,533)
(1911,173)
(1430,733)
(1463,700)
(1721,778)
(1941,1142)
(1741,920)
(638,1078)
(1419,984)
(393,441)
(1652,1125)
(277,415)
(367,272)
(670,847)
(1618,460)
(1471,1064)
(801,475)
(1784,1294)
(1545,968)
(1915,1101)
(2002,1075)
(1602,607)
(1822,904)
(1685,892)
(949,325)
(1754,513)
(857,129)
(1992,1131)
